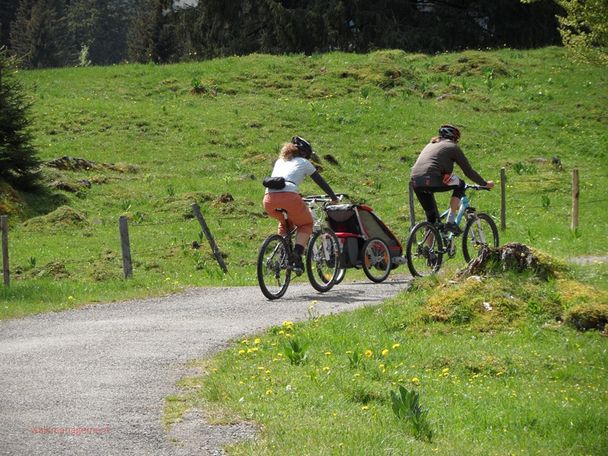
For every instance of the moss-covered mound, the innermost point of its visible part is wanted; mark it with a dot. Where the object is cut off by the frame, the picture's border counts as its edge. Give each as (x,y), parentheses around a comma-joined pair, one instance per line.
(10,201)
(60,218)
(507,286)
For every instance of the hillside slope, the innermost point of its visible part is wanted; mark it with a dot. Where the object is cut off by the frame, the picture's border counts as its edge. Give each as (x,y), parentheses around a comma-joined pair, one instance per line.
(153,139)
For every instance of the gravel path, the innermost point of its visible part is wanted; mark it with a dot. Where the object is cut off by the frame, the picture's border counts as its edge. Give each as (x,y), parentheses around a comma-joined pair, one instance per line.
(93,380)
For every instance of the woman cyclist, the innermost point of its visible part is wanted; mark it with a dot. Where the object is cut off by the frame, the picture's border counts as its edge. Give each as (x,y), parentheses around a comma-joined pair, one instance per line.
(433,172)
(294,165)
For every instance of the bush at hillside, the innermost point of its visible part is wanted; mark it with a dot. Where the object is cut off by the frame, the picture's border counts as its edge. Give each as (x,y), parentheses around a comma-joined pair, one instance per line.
(18,161)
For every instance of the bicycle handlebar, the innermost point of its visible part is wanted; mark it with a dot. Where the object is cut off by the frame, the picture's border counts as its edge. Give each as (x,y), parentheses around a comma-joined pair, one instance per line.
(323,198)
(476,187)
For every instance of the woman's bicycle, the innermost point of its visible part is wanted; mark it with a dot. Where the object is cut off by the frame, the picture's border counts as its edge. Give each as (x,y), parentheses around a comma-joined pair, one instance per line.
(428,243)
(276,261)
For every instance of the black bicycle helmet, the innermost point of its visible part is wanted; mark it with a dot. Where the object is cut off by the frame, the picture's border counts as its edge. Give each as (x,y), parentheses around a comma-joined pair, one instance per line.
(449,132)
(303,146)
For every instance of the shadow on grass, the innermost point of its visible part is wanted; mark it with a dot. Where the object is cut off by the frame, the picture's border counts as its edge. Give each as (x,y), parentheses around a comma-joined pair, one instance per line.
(41,202)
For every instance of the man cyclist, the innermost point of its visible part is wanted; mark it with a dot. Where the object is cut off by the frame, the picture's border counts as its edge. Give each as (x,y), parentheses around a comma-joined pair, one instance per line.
(433,172)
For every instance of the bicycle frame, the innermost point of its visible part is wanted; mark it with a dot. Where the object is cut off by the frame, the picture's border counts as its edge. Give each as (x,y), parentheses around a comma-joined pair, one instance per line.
(464,205)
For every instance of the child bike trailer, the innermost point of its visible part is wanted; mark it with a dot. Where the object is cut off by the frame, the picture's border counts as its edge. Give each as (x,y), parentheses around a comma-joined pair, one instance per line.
(366,242)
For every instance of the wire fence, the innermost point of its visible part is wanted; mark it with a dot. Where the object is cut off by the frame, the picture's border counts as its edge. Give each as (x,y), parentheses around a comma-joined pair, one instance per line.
(139,243)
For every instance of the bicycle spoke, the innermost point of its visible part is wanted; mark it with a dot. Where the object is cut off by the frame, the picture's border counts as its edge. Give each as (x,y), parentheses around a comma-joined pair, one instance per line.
(479,232)
(273,269)
(323,260)
(423,250)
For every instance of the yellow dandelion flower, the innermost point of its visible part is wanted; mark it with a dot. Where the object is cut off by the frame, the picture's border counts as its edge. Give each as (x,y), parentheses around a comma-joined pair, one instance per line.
(368,353)
(281,332)
(328,353)
(415,381)
(257,341)
(365,407)
(326,369)
(385,352)
(395,346)
(357,375)
(269,392)
(241,351)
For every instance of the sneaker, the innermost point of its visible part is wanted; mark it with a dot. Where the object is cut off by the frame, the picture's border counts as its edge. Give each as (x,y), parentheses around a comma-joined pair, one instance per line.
(297,265)
(453,228)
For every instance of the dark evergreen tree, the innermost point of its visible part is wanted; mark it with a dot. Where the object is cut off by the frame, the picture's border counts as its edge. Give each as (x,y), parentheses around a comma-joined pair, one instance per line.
(18,161)
(38,35)
(98,29)
(511,23)
(8,9)
(153,36)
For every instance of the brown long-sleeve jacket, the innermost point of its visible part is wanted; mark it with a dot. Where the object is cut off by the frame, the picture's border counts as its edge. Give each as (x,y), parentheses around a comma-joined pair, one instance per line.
(437,159)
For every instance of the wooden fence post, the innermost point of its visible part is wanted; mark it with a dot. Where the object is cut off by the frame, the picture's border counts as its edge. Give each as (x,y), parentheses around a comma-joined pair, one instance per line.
(4,229)
(411,202)
(216,252)
(125,246)
(575,198)
(503,199)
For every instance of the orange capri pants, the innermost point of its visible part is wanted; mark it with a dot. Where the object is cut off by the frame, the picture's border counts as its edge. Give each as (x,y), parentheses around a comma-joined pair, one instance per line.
(298,213)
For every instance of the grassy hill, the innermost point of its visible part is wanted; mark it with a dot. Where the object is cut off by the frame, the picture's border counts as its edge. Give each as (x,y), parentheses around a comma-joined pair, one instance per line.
(158,138)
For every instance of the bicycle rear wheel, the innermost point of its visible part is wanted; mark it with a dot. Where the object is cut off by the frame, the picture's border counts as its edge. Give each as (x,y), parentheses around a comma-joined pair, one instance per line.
(479,231)
(323,260)
(376,260)
(424,251)
(273,269)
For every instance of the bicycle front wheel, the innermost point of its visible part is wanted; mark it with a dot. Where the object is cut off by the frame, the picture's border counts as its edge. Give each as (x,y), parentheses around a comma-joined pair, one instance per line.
(480,231)
(423,250)
(376,260)
(340,276)
(323,260)
(274,273)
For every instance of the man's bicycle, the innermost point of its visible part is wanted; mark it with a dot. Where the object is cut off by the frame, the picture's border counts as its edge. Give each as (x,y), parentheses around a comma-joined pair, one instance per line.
(276,256)
(428,243)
